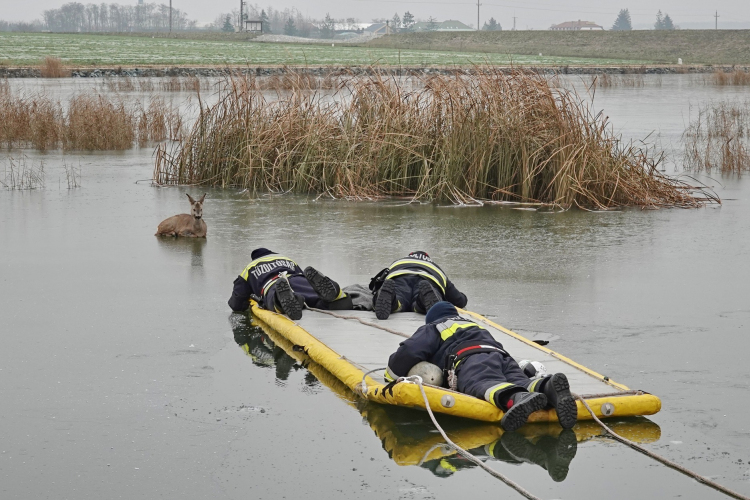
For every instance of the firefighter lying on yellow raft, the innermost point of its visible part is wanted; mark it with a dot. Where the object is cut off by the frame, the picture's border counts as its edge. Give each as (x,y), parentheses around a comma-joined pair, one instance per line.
(477,364)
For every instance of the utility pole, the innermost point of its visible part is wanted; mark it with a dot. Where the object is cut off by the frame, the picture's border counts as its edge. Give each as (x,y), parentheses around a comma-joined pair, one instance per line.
(716,20)
(478,4)
(170,16)
(242,4)
(514,23)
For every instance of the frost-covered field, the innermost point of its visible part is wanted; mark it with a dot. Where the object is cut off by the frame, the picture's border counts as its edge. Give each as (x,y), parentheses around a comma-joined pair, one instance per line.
(95,50)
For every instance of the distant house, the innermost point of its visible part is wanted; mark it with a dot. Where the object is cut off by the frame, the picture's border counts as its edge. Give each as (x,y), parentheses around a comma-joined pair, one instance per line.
(377,29)
(449,25)
(254,26)
(576,26)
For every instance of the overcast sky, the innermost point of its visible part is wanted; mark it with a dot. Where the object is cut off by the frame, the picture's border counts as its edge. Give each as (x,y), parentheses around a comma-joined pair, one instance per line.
(531,14)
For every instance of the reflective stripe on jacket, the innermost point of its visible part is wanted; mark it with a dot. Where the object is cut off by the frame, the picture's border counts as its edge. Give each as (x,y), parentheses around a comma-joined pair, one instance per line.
(435,342)
(429,270)
(260,271)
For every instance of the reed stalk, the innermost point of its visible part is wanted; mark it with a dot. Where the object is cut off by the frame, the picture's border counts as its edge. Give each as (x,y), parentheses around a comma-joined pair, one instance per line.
(91,122)
(52,67)
(489,137)
(20,175)
(719,138)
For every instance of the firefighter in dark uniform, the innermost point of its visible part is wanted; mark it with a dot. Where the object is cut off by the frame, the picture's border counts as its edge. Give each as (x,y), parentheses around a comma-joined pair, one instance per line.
(283,287)
(414,283)
(476,364)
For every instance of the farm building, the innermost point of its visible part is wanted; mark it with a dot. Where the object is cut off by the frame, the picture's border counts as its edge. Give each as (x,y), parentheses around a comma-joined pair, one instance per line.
(449,25)
(576,26)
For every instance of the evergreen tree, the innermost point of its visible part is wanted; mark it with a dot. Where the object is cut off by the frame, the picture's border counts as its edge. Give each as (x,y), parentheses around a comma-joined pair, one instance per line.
(622,23)
(659,24)
(396,22)
(327,28)
(492,25)
(228,25)
(408,21)
(668,24)
(265,25)
(289,28)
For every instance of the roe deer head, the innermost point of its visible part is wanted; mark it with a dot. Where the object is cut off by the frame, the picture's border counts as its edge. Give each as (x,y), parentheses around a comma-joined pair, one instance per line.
(191,226)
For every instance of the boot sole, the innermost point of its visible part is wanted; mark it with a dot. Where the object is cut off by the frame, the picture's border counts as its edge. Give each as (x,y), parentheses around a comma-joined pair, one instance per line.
(521,449)
(289,303)
(567,409)
(428,295)
(567,445)
(384,302)
(322,285)
(516,417)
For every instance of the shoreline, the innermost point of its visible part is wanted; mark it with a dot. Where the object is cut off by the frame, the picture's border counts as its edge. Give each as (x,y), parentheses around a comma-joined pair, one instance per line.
(323,71)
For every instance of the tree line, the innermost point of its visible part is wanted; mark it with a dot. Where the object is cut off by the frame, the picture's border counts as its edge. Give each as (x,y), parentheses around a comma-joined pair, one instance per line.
(114,17)
(622,23)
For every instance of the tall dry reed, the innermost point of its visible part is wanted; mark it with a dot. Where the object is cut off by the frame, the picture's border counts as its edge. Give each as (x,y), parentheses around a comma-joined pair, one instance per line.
(91,122)
(492,136)
(97,123)
(52,67)
(719,138)
(734,77)
(606,80)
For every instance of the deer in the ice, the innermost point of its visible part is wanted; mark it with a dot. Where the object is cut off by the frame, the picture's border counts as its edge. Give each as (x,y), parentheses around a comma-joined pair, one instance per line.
(188,225)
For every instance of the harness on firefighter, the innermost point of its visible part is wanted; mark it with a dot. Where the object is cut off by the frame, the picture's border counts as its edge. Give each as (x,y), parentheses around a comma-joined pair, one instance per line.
(461,352)
(272,281)
(377,281)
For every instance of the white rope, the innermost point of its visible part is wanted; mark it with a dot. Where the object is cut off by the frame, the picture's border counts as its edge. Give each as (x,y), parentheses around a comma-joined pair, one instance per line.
(416,379)
(668,463)
(368,323)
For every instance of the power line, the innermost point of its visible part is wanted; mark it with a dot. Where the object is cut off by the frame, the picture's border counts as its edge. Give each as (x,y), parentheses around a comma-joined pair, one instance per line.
(525,7)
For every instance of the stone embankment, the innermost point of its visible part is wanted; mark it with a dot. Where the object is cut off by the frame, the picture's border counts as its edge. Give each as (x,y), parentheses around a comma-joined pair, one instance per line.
(33,72)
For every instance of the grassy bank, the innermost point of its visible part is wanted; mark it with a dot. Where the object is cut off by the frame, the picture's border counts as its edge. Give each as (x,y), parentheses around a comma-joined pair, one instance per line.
(663,47)
(17,49)
(495,136)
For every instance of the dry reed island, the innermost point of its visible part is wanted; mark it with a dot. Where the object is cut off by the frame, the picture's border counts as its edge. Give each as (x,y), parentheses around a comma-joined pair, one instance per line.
(474,133)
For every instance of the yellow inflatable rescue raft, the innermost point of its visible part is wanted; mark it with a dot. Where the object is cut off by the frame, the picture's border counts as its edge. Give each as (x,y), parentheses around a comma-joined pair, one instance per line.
(351,344)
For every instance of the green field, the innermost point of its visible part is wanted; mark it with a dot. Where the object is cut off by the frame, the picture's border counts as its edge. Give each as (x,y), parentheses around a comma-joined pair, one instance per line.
(22,49)
(662,47)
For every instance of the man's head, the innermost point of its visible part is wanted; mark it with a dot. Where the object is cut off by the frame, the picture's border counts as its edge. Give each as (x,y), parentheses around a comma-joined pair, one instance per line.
(260,252)
(440,311)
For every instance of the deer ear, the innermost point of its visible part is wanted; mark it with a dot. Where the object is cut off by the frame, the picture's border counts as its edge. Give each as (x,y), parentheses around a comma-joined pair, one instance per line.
(190,198)
(203,197)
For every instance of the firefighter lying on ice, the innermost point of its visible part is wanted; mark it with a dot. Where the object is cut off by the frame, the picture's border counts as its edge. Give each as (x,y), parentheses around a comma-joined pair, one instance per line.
(414,283)
(476,364)
(283,287)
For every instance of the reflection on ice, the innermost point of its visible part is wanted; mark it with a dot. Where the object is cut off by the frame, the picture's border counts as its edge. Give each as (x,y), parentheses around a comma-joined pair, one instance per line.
(410,438)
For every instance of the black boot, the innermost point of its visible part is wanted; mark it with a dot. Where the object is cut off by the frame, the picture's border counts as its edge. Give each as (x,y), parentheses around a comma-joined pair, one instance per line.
(428,296)
(557,390)
(287,301)
(559,452)
(325,287)
(385,299)
(519,407)
(521,449)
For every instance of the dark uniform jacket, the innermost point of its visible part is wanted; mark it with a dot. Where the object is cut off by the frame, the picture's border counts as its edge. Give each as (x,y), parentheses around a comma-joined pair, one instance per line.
(435,342)
(420,264)
(258,276)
